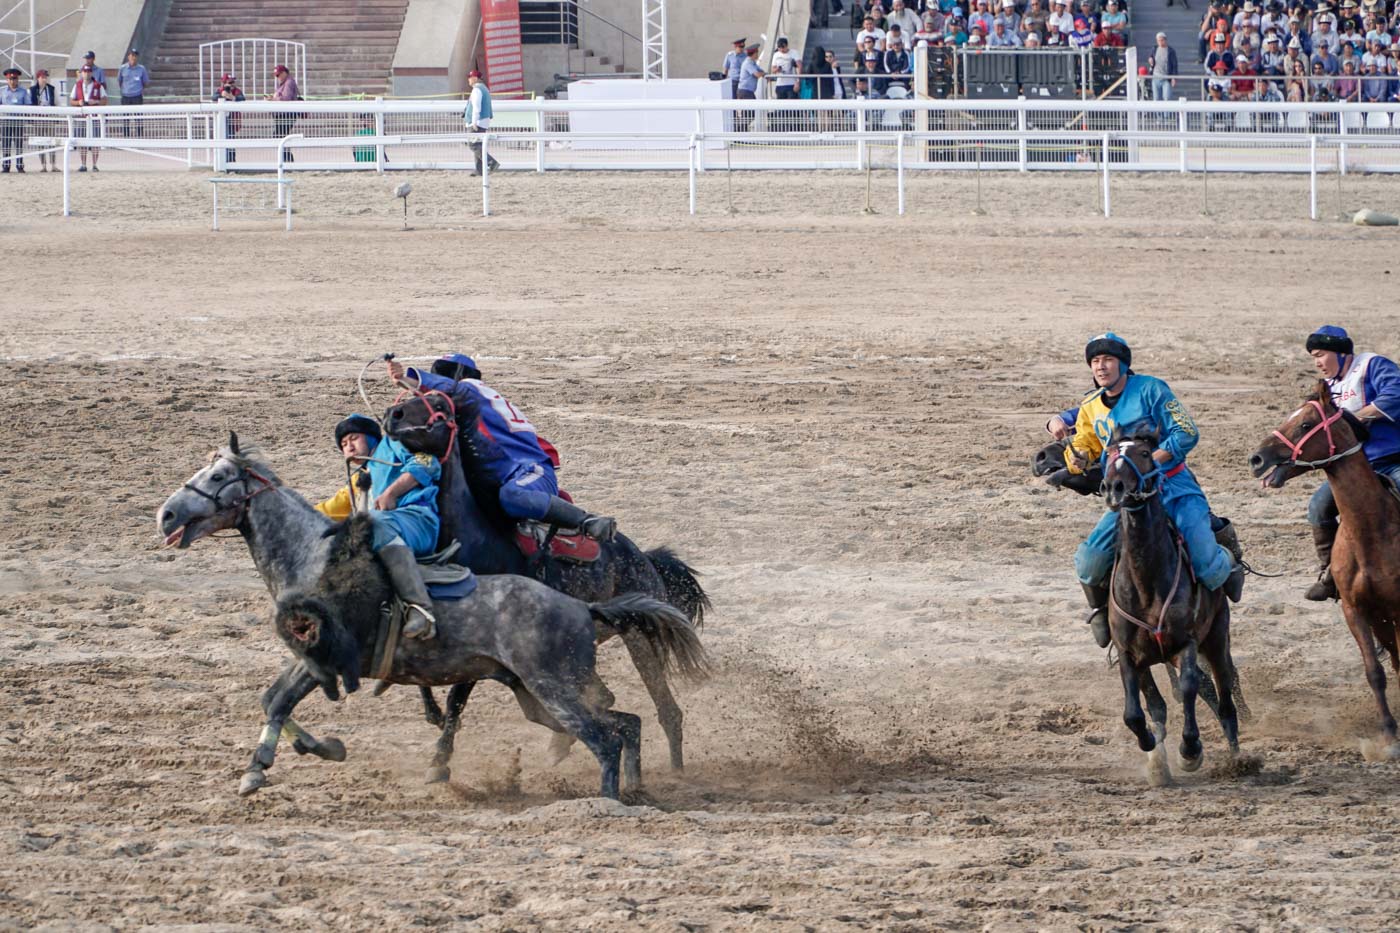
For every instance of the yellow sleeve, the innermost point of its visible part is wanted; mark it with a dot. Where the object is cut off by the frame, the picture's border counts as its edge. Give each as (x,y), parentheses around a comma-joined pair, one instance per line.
(1085,441)
(337,508)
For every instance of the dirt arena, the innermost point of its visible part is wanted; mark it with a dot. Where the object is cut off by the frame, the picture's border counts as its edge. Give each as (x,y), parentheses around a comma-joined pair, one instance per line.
(828,413)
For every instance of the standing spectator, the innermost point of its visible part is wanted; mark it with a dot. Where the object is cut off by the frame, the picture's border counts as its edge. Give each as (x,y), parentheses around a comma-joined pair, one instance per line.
(749,76)
(1034,20)
(478,117)
(99,74)
(233,122)
(88,92)
(12,128)
(734,66)
(786,65)
(906,19)
(1163,65)
(286,90)
(838,89)
(42,94)
(132,79)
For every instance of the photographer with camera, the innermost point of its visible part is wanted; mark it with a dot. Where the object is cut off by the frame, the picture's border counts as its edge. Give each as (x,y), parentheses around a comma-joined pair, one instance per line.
(233,122)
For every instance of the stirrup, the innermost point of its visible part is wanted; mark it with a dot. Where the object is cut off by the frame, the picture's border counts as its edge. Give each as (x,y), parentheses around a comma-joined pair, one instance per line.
(420,622)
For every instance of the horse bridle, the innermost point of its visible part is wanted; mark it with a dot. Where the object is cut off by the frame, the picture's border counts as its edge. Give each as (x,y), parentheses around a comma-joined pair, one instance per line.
(435,416)
(1137,494)
(1326,425)
(244,476)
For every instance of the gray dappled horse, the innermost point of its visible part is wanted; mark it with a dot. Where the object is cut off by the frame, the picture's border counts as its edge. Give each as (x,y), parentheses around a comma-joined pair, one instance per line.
(1158,613)
(292,546)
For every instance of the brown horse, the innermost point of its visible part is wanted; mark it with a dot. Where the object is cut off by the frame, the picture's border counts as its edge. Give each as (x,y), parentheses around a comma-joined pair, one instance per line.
(1366,556)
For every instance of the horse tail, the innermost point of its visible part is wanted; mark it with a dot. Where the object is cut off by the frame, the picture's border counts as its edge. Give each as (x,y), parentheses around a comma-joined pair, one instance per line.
(665,628)
(683,589)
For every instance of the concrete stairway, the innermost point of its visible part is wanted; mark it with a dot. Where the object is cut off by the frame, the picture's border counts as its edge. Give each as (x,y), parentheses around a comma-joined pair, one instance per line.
(1181,24)
(349,46)
(835,38)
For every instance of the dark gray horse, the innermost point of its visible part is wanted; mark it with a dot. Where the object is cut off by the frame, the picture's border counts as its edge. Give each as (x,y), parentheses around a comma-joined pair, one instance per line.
(471,515)
(291,547)
(1158,613)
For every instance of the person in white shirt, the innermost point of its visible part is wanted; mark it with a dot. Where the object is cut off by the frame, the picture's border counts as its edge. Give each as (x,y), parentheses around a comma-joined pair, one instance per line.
(870,29)
(478,116)
(1059,18)
(87,92)
(907,19)
(786,62)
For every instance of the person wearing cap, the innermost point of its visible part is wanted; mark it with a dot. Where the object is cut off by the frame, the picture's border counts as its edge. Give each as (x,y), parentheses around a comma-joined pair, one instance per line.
(12,130)
(1124,398)
(87,93)
(1060,18)
(478,117)
(1010,17)
(402,509)
(1324,36)
(285,91)
(43,94)
(980,20)
(931,30)
(1081,37)
(1002,37)
(500,445)
(1162,65)
(1114,22)
(1368,386)
(749,76)
(1273,60)
(1220,59)
(1032,42)
(733,65)
(230,92)
(1033,21)
(1247,14)
(132,78)
(1295,31)
(1324,56)
(98,74)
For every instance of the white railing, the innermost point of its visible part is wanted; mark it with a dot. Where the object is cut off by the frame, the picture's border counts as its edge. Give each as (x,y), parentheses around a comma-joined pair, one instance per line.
(251,61)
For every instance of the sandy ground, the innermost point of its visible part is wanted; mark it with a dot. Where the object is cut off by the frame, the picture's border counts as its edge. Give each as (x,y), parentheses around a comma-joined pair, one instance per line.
(828,413)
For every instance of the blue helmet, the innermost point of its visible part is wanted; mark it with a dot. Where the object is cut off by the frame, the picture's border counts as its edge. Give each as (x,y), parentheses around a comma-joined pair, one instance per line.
(1109,344)
(1331,337)
(456,366)
(357,424)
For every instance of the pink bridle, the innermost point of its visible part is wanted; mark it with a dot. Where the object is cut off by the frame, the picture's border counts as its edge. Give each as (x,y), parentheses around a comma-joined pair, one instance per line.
(1326,425)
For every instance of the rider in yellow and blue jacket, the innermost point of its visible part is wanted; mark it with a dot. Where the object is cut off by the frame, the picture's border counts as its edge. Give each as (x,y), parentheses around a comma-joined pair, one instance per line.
(1125,398)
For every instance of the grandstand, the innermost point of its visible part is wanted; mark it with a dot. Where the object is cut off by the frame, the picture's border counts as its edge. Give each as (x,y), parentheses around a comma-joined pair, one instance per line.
(350,46)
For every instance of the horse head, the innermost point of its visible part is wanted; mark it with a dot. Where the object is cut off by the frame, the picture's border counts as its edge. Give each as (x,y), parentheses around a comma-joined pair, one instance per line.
(213,499)
(1315,435)
(425,423)
(1131,474)
(1049,462)
(1049,458)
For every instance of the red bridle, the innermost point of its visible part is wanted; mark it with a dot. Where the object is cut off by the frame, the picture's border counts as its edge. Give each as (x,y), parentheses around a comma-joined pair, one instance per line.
(1326,425)
(435,416)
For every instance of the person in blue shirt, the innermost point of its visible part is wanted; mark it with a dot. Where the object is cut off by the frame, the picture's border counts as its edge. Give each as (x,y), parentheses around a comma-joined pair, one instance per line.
(1125,398)
(402,509)
(734,67)
(1368,386)
(504,444)
(132,79)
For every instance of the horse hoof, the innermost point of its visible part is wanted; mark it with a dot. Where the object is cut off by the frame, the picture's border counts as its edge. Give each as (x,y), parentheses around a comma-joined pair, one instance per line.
(252,782)
(437,775)
(1192,764)
(1159,773)
(330,750)
(1379,750)
(559,747)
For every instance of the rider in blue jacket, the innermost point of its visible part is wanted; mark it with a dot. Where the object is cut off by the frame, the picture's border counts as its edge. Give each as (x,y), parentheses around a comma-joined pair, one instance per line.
(1126,398)
(1368,386)
(403,510)
(505,443)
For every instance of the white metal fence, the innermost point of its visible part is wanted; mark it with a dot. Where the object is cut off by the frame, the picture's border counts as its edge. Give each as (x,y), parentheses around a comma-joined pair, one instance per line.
(251,61)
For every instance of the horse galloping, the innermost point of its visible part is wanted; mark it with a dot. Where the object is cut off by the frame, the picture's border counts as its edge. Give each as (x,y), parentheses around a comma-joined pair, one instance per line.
(1158,613)
(1366,555)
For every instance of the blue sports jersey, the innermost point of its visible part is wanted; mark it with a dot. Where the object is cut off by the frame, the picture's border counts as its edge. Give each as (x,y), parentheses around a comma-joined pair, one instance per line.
(502,438)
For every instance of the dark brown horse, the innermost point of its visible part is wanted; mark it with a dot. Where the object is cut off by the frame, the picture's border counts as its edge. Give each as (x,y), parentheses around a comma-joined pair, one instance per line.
(1158,613)
(1366,556)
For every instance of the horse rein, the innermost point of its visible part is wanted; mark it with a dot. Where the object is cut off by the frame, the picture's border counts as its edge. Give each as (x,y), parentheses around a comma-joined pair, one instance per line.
(435,416)
(1155,631)
(243,477)
(1137,495)
(1326,425)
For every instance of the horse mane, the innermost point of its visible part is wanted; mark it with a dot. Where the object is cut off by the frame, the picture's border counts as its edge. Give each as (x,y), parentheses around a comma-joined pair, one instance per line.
(1143,431)
(247,457)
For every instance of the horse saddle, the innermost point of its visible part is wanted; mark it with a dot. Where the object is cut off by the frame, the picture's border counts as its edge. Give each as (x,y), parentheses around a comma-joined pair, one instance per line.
(444,579)
(571,545)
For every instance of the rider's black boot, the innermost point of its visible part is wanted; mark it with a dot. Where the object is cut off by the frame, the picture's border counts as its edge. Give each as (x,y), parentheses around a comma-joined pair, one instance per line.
(1233,587)
(567,515)
(1325,588)
(1098,620)
(398,559)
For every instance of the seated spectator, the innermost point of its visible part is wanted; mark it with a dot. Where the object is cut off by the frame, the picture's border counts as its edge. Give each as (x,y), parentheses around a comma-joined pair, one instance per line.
(1348,86)
(877,13)
(1010,17)
(1053,38)
(1219,55)
(1296,90)
(1349,55)
(1218,82)
(1324,37)
(1087,13)
(1266,92)
(1321,89)
(1296,31)
(1372,84)
(1274,19)
(1329,62)
(1351,17)
(1209,28)
(981,18)
(897,62)
(1243,85)
(932,28)
(1247,15)
(1115,22)
(974,43)
(1272,59)
(1034,20)
(1032,43)
(867,47)
(869,30)
(1002,37)
(906,19)
(1060,18)
(873,64)
(1081,38)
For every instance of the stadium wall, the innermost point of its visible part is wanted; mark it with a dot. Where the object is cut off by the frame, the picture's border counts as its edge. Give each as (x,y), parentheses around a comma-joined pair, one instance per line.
(436,48)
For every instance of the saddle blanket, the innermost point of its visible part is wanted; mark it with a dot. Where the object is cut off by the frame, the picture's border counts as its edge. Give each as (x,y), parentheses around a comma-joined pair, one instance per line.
(576,547)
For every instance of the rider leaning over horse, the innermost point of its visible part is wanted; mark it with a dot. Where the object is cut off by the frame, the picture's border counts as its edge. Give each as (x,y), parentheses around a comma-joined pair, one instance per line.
(1368,386)
(1125,398)
(504,444)
(403,510)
